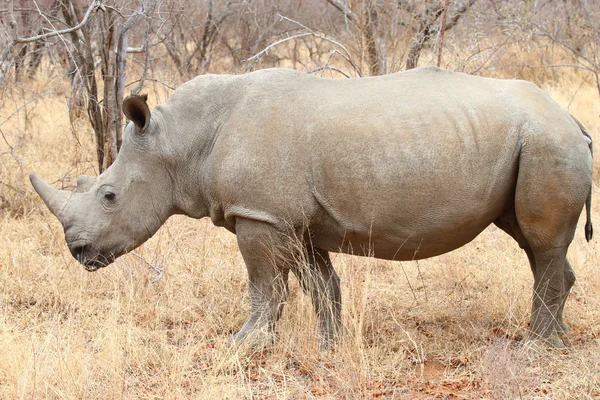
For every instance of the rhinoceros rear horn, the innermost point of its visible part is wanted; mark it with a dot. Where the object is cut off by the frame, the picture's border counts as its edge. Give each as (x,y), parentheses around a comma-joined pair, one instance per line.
(136,110)
(55,199)
(84,183)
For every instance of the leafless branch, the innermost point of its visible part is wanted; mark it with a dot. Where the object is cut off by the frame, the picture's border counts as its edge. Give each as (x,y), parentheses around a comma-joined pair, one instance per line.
(475,54)
(343,9)
(328,67)
(462,9)
(346,53)
(153,80)
(93,7)
(578,55)
(561,66)
(266,49)
(140,49)
(144,47)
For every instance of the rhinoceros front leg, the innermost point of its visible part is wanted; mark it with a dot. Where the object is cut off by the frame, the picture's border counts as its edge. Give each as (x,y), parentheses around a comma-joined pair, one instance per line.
(319,279)
(264,252)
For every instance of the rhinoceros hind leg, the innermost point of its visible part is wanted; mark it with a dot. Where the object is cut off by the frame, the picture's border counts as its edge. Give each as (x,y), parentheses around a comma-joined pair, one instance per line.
(568,284)
(553,183)
(264,251)
(549,294)
(552,284)
(319,280)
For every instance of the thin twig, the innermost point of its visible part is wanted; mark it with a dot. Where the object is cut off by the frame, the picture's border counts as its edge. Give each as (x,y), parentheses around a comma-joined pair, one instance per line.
(6,141)
(328,67)
(419,269)
(263,51)
(561,66)
(158,271)
(476,70)
(36,98)
(347,56)
(583,82)
(152,80)
(412,290)
(579,56)
(459,284)
(480,51)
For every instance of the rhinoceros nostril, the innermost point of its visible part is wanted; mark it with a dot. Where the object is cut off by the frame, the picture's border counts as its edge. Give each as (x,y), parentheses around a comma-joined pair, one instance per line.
(77,252)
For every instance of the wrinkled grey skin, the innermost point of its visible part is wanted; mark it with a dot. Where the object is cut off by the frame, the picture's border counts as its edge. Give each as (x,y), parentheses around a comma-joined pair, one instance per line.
(401,167)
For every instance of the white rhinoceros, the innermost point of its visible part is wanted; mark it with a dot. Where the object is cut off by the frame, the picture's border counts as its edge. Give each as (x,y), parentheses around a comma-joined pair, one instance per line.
(400,167)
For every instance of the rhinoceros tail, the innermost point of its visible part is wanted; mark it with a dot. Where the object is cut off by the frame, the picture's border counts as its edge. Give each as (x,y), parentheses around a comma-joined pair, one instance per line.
(589,229)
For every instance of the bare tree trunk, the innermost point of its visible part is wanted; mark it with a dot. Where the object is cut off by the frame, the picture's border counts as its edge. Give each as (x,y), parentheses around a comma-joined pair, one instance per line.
(442,31)
(108,56)
(369,33)
(207,36)
(84,65)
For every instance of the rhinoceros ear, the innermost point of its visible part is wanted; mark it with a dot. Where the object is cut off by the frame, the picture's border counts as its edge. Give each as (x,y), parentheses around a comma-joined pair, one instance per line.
(136,110)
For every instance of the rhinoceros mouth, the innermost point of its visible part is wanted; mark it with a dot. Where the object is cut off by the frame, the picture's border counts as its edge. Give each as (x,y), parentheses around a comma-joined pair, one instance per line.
(96,262)
(92,266)
(91,259)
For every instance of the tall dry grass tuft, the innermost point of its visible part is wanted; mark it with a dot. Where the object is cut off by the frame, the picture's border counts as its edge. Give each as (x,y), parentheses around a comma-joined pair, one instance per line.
(447,327)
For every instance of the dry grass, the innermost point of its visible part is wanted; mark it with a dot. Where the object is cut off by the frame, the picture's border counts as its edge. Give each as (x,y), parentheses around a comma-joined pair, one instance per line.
(448,327)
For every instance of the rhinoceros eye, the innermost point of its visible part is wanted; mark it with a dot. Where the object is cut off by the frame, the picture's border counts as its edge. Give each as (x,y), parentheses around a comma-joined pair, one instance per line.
(110,196)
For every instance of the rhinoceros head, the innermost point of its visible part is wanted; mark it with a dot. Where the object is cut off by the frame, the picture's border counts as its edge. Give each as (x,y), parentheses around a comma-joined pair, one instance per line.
(109,215)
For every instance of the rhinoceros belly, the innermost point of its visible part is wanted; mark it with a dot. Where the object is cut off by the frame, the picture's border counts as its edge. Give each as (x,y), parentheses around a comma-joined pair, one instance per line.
(410,199)
(404,226)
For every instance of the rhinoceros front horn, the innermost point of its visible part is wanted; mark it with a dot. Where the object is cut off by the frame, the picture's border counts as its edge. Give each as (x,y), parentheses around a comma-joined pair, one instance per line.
(55,199)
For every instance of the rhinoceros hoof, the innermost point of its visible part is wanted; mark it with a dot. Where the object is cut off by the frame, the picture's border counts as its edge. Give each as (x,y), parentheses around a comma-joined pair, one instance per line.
(255,339)
(563,329)
(554,341)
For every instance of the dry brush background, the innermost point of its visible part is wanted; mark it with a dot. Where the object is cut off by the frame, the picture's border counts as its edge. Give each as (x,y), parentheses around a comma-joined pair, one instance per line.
(447,327)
